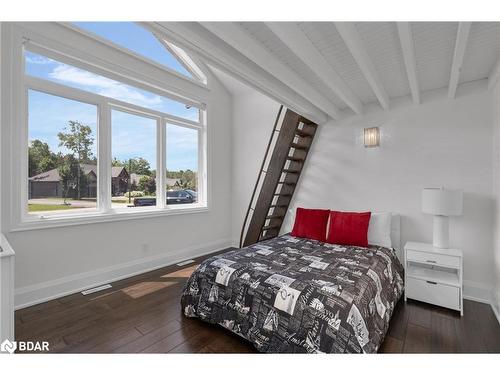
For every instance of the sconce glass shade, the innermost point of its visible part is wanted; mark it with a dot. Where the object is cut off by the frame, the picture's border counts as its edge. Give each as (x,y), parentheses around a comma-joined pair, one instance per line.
(372,137)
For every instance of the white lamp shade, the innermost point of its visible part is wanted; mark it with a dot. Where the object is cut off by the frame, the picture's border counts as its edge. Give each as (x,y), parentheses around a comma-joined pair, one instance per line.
(443,202)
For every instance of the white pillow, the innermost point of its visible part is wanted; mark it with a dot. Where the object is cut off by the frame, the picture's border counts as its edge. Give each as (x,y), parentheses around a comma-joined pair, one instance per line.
(379,229)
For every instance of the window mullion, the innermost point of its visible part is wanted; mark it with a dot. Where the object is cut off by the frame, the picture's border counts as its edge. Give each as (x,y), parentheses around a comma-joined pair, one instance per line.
(104,158)
(161,152)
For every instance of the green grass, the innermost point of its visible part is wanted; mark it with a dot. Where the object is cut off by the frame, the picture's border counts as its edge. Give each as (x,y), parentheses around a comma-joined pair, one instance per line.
(121,200)
(73,199)
(49,207)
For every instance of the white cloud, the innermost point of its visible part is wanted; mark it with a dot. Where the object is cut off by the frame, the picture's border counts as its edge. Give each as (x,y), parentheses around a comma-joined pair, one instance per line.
(38,60)
(104,86)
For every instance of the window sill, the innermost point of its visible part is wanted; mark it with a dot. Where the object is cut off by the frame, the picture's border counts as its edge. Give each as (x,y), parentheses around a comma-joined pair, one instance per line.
(36,223)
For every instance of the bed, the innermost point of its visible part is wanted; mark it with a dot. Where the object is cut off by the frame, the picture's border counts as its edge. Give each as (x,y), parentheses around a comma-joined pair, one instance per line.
(295,295)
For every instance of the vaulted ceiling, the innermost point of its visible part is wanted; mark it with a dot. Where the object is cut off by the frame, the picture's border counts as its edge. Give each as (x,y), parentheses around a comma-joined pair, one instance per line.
(333,69)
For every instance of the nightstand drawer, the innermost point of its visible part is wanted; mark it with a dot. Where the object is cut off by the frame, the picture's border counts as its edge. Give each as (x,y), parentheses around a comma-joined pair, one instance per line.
(437,294)
(429,258)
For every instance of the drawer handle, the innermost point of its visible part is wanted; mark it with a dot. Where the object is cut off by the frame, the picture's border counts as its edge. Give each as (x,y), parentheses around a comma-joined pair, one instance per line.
(431,282)
(430,261)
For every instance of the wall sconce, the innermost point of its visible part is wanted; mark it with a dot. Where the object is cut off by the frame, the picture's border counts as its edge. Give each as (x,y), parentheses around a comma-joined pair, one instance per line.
(372,137)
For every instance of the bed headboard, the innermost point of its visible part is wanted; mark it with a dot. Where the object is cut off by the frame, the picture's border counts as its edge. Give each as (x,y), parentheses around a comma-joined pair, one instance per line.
(396,234)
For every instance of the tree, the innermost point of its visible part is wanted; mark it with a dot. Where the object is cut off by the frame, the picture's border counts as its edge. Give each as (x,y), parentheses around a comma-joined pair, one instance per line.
(117,163)
(189,179)
(139,166)
(40,158)
(70,174)
(78,139)
(147,184)
(134,165)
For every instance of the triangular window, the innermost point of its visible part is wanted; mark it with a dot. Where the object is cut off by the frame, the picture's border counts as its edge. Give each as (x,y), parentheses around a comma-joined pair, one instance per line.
(137,39)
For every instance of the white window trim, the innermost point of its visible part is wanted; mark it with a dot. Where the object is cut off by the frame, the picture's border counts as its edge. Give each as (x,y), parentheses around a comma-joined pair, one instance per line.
(110,61)
(40,49)
(186,61)
(21,83)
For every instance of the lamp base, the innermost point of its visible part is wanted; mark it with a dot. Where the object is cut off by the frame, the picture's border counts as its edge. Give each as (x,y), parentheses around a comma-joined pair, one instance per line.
(441,232)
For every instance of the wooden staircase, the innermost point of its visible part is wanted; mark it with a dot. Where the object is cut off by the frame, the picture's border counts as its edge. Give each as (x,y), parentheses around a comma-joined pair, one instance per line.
(265,215)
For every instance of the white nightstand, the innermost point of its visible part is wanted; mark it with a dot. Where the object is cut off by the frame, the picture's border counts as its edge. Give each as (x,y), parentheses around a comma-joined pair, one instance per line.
(434,275)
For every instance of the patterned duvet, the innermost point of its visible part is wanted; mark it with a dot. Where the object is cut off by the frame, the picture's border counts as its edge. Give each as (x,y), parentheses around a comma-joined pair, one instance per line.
(291,294)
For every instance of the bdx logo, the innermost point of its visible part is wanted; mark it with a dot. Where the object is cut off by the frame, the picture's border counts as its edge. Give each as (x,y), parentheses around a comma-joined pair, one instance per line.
(23,346)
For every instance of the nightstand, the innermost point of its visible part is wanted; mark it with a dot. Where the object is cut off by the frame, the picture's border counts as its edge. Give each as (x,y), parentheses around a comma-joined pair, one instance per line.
(434,275)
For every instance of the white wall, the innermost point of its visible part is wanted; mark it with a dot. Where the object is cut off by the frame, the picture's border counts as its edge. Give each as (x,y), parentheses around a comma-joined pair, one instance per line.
(496,186)
(441,142)
(52,262)
(253,119)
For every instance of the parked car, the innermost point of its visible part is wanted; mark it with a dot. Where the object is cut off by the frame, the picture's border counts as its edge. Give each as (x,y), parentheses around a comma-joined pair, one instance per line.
(144,201)
(173,197)
(181,196)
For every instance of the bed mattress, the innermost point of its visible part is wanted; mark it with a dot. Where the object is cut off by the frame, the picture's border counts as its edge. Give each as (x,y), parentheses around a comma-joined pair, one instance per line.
(289,295)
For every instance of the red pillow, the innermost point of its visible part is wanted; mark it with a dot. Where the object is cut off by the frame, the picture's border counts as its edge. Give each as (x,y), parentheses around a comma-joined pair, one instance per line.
(310,224)
(349,228)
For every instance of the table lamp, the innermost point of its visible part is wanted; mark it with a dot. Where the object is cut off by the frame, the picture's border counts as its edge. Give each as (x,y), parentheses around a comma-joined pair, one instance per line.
(442,203)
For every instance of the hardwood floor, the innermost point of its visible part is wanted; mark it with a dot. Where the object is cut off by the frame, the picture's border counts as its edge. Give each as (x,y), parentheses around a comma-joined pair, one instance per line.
(142,314)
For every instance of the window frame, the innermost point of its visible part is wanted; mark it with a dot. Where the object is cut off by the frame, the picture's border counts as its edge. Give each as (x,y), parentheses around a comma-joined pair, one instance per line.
(21,83)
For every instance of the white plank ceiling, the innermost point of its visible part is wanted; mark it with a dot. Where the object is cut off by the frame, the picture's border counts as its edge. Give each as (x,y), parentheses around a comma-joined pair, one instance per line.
(372,60)
(272,43)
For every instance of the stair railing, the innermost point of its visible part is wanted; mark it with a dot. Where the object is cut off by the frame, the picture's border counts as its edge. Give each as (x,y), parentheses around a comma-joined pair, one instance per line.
(261,171)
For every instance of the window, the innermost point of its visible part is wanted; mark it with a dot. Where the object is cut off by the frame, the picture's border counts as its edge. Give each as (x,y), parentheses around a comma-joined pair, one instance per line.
(55,71)
(62,154)
(182,164)
(133,37)
(96,148)
(133,171)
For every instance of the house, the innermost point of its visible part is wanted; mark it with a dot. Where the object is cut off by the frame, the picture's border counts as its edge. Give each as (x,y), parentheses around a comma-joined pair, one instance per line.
(119,180)
(48,184)
(347,190)
(173,183)
(135,178)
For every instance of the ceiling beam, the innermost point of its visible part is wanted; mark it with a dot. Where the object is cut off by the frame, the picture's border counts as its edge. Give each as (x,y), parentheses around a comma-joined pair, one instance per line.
(291,35)
(240,40)
(408,47)
(354,43)
(193,37)
(458,57)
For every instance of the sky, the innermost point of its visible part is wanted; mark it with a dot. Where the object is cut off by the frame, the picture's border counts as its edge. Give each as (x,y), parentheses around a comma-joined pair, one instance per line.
(135,38)
(132,136)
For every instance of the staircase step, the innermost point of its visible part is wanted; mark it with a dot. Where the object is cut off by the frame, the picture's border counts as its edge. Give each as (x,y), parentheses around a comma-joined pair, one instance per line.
(293,158)
(283,194)
(275,216)
(294,171)
(278,205)
(303,134)
(299,147)
(287,183)
(273,226)
(306,121)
